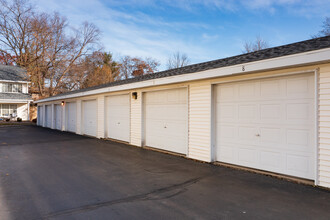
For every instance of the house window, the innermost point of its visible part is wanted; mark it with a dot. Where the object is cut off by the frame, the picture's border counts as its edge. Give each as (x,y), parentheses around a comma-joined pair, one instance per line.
(11,87)
(7,110)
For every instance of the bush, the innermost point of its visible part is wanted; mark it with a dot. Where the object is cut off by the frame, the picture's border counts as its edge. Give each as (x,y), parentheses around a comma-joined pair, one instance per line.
(19,119)
(34,120)
(7,119)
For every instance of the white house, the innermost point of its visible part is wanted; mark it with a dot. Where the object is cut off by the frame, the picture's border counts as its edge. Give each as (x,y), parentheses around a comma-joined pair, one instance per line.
(268,110)
(14,95)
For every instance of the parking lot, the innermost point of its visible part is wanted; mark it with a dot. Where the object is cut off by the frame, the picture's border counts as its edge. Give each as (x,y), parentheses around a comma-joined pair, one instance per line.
(49,174)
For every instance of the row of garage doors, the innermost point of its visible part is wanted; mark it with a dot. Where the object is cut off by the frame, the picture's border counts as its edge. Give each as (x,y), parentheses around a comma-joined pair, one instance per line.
(266,124)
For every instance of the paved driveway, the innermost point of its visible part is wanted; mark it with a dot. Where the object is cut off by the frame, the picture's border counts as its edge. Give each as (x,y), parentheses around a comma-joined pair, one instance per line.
(48,174)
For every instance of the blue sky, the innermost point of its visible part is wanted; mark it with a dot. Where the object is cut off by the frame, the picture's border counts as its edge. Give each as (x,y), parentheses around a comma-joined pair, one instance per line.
(204,30)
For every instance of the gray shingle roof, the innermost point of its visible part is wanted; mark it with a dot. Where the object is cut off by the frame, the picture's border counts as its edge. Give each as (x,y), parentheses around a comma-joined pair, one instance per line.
(21,96)
(12,73)
(289,49)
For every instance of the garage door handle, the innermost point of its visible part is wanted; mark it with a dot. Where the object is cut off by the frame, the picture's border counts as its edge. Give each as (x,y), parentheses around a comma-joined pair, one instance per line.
(119,123)
(258,135)
(165,127)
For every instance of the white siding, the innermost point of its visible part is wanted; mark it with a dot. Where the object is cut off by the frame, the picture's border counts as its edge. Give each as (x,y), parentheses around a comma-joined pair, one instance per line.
(324,127)
(79,115)
(44,116)
(100,117)
(136,119)
(53,116)
(200,121)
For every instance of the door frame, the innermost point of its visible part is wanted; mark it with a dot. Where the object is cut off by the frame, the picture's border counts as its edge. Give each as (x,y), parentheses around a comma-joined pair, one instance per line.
(143,115)
(315,72)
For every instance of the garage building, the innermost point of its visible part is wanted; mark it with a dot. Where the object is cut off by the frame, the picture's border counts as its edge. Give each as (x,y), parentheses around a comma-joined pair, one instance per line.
(268,110)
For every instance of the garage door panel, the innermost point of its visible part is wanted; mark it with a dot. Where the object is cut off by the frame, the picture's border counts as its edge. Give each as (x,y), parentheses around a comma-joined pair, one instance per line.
(165,115)
(299,87)
(271,136)
(298,137)
(271,160)
(248,156)
(267,122)
(226,132)
(297,163)
(226,93)
(227,112)
(299,112)
(118,117)
(270,89)
(247,112)
(227,154)
(270,111)
(247,91)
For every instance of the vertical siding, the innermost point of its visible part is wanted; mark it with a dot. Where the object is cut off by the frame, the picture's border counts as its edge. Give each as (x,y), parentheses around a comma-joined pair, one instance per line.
(53,116)
(200,121)
(64,118)
(78,120)
(136,120)
(100,117)
(324,127)
(43,115)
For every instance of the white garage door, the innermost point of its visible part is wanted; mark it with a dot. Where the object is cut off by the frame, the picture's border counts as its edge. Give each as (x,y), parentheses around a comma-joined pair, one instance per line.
(89,117)
(39,119)
(118,117)
(70,116)
(58,117)
(48,116)
(165,119)
(268,124)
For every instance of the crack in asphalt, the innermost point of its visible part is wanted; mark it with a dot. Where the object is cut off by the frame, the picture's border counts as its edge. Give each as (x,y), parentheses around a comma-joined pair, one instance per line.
(42,142)
(153,195)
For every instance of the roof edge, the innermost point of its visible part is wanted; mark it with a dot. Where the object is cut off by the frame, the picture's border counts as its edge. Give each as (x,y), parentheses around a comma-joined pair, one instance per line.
(305,58)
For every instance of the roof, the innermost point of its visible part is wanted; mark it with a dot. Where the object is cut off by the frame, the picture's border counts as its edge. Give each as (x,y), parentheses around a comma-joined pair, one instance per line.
(289,49)
(12,73)
(20,96)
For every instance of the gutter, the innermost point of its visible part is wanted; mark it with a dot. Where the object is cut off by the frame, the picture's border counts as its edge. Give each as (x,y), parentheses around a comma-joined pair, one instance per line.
(15,100)
(14,81)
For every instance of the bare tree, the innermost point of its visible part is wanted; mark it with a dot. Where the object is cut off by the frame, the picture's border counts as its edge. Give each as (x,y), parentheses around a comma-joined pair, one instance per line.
(6,59)
(177,60)
(325,29)
(43,44)
(256,45)
(134,66)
